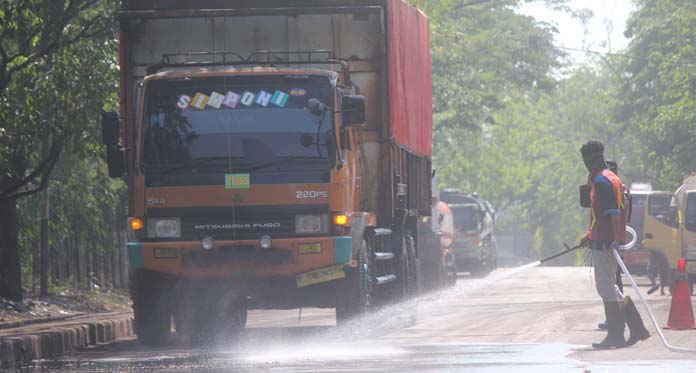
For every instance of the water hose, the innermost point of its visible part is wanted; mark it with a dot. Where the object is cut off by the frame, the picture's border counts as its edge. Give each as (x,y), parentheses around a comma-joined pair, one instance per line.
(647,308)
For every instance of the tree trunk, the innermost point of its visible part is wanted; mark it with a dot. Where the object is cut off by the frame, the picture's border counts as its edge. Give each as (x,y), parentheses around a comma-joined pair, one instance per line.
(78,267)
(44,250)
(66,258)
(10,265)
(89,270)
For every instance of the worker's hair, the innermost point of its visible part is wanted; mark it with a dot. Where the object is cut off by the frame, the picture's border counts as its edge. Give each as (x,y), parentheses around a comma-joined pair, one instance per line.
(592,147)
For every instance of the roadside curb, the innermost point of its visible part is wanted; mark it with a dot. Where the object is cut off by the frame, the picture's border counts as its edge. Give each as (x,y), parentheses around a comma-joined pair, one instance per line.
(16,350)
(18,324)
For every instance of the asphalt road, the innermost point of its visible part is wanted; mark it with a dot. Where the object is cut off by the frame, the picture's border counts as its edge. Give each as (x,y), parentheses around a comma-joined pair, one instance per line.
(514,320)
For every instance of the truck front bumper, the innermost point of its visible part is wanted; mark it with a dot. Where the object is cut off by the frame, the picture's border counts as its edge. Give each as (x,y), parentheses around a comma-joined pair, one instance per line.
(242,258)
(467,253)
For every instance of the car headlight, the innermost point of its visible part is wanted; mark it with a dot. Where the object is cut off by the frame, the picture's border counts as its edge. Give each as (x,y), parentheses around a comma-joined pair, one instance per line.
(164,228)
(312,224)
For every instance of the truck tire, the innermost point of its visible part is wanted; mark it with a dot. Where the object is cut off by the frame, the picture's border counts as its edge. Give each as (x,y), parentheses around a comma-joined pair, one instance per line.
(151,307)
(449,271)
(414,273)
(357,292)
(406,285)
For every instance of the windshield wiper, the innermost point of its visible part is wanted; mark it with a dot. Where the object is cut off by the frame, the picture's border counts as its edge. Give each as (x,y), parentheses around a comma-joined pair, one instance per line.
(278,161)
(196,163)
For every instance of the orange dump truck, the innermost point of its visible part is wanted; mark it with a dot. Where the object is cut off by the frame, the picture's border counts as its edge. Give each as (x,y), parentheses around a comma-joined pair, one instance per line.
(277,155)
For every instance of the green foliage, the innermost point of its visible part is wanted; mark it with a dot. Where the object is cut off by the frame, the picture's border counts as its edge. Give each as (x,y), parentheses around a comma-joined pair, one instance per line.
(509,125)
(658,100)
(480,55)
(61,72)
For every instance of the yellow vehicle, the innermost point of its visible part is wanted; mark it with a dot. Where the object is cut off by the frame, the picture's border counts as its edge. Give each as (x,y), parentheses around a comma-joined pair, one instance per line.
(661,225)
(685,197)
(670,226)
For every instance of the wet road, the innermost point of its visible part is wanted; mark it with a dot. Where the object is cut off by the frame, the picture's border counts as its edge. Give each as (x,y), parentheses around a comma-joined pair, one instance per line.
(514,320)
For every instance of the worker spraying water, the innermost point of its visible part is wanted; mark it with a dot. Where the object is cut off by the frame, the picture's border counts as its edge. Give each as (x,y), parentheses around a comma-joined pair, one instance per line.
(607,232)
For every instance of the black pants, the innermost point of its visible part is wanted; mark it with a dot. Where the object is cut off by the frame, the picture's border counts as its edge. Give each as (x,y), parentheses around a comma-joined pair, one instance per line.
(619,281)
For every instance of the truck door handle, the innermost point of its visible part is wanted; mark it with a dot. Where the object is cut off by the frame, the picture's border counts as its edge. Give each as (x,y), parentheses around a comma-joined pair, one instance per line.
(648,236)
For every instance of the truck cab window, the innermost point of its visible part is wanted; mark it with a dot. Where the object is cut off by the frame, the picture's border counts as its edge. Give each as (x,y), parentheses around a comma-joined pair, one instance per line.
(690,212)
(663,208)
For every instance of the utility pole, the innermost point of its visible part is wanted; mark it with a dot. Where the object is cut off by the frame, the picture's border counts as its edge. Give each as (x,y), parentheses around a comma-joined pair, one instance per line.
(43,252)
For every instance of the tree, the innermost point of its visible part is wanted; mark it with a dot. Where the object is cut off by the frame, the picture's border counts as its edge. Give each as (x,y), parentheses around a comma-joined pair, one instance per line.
(658,99)
(54,79)
(481,54)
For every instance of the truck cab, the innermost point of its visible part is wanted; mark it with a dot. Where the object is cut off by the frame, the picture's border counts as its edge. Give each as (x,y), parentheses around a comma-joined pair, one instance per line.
(688,232)
(474,246)
(661,225)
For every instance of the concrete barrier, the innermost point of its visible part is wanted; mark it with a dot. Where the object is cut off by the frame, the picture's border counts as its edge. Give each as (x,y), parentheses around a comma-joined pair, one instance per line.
(17,349)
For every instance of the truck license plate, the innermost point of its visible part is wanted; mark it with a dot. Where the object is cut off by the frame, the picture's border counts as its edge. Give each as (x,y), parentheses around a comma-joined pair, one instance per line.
(319,276)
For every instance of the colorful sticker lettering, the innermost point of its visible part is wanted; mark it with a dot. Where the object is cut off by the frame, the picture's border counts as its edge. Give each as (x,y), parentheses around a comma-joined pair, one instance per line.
(263,98)
(216,99)
(183,102)
(279,99)
(200,100)
(298,92)
(231,100)
(247,98)
(237,181)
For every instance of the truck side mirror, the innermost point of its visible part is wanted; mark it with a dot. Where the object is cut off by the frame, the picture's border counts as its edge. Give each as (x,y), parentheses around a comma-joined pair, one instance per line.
(115,159)
(111,128)
(111,133)
(353,110)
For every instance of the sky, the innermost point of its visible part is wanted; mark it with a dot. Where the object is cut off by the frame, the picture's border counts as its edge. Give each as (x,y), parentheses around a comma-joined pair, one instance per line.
(604,30)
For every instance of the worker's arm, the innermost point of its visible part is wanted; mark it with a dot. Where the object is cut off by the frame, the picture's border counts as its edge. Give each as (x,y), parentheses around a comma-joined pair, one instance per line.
(615,231)
(608,206)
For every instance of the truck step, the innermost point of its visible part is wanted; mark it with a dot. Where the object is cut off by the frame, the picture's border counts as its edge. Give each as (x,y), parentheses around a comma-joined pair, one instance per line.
(383,232)
(384,256)
(379,280)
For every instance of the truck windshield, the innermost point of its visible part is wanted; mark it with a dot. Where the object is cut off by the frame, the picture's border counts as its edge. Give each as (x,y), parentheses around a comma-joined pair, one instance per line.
(234,122)
(690,212)
(465,218)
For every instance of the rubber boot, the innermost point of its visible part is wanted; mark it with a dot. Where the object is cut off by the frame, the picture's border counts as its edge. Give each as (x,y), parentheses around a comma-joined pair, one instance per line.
(634,322)
(616,324)
(619,280)
(603,325)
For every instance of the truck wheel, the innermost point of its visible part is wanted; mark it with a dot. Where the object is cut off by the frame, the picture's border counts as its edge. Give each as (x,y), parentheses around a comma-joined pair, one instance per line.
(413,277)
(151,311)
(480,268)
(492,260)
(405,271)
(357,288)
(414,274)
(450,271)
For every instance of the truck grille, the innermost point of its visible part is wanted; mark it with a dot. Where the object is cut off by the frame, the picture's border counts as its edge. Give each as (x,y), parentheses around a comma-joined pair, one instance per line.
(236,223)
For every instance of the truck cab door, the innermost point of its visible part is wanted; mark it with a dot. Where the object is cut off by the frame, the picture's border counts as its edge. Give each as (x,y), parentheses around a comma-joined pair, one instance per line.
(661,226)
(689,231)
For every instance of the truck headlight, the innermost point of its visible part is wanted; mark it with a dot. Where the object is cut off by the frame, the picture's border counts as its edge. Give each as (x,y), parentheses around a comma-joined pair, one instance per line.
(164,228)
(311,224)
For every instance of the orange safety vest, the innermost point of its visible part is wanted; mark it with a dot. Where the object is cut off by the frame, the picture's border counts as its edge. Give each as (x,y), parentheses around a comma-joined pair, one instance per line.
(600,228)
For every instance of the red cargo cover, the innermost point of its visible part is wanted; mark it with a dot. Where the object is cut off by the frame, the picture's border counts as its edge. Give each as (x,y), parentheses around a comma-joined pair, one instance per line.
(410,78)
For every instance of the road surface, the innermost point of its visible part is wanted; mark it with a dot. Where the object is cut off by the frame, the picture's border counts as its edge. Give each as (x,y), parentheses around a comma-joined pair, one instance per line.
(514,320)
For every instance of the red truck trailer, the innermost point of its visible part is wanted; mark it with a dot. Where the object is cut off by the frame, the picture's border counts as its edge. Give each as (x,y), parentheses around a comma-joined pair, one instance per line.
(277,155)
